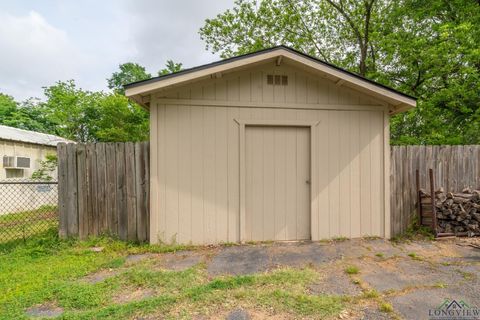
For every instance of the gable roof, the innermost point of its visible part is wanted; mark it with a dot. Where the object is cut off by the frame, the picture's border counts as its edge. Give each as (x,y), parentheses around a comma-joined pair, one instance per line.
(20,135)
(400,101)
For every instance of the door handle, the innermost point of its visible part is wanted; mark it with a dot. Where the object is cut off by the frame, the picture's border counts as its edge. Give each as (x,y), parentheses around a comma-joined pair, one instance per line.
(307,181)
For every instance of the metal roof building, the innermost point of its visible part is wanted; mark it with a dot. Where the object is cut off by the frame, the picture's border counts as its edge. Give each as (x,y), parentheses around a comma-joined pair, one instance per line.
(22,151)
(26,136)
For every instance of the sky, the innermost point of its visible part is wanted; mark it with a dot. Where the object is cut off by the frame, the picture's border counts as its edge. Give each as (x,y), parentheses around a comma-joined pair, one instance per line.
(45,41)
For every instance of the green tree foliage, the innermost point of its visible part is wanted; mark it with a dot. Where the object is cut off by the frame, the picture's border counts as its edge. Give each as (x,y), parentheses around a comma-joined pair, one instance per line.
(170,67)
(47,168)
(129,72)
(7,107)
(86,116)
(431,50)
(82,115)
(24,115)
(71,110)
(120,120)
(78,115)
(337,31)
(424,48)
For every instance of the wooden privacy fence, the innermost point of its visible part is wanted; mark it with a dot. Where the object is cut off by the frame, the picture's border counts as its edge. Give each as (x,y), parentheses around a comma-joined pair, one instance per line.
(104,189)
(454,168)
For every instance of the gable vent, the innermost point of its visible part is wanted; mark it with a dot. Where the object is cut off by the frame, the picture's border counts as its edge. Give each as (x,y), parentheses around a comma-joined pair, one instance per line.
(277,80)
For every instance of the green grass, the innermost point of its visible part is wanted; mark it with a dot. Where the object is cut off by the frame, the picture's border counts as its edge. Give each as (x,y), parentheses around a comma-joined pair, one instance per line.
(467,275)
(46,269)
(386,307)
(371,294)
(440,285)
(371,237)
(352,270)
(28,214)
(15,227)
(414,256)
(414,231)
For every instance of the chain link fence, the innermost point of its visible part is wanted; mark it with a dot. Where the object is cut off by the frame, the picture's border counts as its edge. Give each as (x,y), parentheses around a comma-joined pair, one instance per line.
(27,208)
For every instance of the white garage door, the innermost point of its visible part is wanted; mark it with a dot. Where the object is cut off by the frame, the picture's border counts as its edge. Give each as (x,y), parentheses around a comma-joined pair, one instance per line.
(277,199)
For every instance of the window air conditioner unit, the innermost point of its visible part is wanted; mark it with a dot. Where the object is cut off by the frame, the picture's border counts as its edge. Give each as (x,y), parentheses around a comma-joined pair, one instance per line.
(16,162)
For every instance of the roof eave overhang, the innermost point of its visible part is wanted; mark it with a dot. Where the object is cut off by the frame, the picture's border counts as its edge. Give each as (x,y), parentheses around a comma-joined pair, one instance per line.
(141,92)
(401,108)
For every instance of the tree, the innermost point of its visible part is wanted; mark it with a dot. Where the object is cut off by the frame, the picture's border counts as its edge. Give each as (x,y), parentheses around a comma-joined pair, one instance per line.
(71,110)
(86,116)
(132,72)
(7,107)
(120,120)
(336,31)
(428,49)
(25,115)
(170,67)
(129,72)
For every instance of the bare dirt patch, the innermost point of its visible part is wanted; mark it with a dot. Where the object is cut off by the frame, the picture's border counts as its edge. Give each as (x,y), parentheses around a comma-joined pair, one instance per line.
(136,258)
(131,295)
(47,310)
(251,313)
(100,276)
(180,260)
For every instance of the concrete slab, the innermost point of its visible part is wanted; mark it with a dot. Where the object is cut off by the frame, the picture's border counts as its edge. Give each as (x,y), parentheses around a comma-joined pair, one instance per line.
(418,246)
(350,249)
(374,314)
(382,246)
(238,314)
(181,260)
(298,255)
(239,260)
(335,283)
(401,274)
(416,304)
(135,258)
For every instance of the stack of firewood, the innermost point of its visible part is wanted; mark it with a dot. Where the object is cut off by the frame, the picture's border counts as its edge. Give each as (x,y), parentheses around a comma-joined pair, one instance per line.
(457,212)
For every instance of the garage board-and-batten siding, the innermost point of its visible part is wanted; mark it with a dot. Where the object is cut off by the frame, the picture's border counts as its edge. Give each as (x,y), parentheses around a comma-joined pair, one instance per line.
(196,155)
(304,90)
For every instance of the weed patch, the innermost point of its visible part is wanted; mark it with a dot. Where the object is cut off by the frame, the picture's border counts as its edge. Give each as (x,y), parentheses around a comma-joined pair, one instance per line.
(352,270)
(386,307)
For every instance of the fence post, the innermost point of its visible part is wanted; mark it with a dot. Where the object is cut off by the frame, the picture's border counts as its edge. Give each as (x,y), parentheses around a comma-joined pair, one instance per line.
(72,192)
(419,198)
(432,194)
(121,192)
(62,190)
(130,187)
(82,191)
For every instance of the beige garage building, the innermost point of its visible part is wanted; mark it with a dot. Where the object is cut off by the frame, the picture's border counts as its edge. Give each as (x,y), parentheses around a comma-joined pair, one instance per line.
(272,145)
